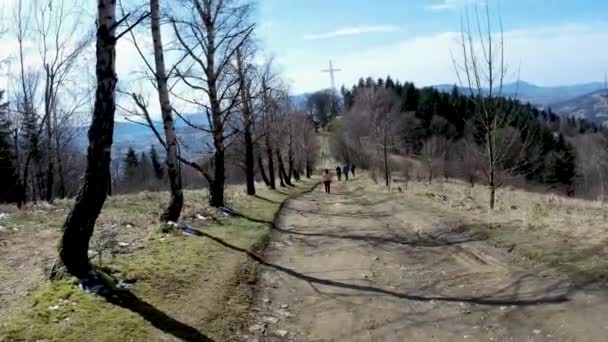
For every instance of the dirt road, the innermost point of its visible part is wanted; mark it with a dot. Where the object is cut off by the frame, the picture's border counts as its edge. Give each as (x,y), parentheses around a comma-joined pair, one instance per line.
(356,266)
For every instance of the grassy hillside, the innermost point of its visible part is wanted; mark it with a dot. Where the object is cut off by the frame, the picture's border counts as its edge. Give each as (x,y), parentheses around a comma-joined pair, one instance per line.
(176,286)
(566,234)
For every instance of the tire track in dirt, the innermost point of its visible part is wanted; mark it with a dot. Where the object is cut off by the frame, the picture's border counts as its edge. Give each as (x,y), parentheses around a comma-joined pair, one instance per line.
(357,266)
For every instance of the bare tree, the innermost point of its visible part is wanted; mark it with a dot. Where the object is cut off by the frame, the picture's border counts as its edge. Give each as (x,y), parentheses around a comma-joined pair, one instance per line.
(268,107)
(469,160)
(173,211)
(25,105)
(482,70)
(57,27)
(433,155)
(80,222)
(211,36)
(244,70)
(381,108)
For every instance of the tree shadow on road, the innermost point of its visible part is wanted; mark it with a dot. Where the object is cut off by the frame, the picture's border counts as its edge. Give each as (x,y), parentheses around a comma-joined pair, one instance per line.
(543,296)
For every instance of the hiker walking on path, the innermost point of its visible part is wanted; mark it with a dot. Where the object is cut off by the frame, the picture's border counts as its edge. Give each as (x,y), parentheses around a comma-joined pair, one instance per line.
(327,181)
(352,169)
(345,171)
(339,172)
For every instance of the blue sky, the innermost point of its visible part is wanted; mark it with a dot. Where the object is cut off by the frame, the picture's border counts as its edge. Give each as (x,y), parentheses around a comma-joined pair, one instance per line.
(549,41)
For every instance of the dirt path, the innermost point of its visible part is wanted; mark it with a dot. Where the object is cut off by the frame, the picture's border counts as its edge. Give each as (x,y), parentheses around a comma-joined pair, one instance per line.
(355,266)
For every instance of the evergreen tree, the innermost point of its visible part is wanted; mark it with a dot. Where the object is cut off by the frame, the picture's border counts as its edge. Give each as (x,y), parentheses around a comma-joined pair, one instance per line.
(159,171)
(410,98)
(389,84)
(8,176)
(361,83)
(145,167)
(131,165)
(562,164)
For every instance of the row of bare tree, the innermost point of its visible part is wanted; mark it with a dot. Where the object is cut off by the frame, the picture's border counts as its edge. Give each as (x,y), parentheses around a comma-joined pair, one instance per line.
(200,61)
(47,94)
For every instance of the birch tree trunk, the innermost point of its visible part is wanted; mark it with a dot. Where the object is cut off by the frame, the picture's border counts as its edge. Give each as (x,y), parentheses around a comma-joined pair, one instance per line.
(174,209)
(80,222)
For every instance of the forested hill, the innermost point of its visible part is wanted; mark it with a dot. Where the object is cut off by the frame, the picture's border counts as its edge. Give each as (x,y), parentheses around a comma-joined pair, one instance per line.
(428,112)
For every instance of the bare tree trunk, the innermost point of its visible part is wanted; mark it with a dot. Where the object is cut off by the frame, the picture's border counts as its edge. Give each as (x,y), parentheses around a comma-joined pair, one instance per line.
(290,160)
(279,168)
(80,223)
(174,209)
(282,171)
(48,107)
(247,121)
(263,172)
(271,175)
(50,174)
(386,172)
(492,186)
(492,195)
(216,187)
(61,192)
(308,169)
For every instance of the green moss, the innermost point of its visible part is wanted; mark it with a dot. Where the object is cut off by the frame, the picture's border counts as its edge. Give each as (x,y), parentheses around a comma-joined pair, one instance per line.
(181,282)
(61,311)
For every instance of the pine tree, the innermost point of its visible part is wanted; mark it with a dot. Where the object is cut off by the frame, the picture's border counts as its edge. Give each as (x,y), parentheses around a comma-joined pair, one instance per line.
(410,98)
(145,167)
(389,84)
(131,165)
(8,176)
(562,164)
(159,171)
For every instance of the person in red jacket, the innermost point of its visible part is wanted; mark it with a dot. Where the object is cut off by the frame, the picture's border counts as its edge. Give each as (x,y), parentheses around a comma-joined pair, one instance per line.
(327,181)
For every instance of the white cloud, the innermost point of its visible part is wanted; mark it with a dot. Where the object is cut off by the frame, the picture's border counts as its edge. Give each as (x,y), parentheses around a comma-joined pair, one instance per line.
(351,31)
(448,4)
(548,55)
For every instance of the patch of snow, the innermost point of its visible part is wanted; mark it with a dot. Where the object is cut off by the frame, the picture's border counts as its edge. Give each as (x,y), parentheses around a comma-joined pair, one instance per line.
(4,216)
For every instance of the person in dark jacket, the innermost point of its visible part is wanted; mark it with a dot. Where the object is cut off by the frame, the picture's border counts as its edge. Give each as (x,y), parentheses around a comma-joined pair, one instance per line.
(345,171)
(352,169)
(339,172)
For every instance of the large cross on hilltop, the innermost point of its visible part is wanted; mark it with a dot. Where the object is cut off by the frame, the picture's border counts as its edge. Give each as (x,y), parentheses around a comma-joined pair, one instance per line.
(331,72)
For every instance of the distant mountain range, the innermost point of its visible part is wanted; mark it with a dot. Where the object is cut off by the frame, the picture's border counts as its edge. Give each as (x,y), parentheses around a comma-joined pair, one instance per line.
(592,106)
(579,100)
(141,138)
(587,100)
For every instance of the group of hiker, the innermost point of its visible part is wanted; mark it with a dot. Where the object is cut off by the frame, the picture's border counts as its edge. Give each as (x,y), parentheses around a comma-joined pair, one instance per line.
(345,170)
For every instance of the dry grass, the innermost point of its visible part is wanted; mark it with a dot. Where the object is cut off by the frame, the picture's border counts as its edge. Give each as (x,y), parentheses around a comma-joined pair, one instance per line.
(568,234)
(183,284)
